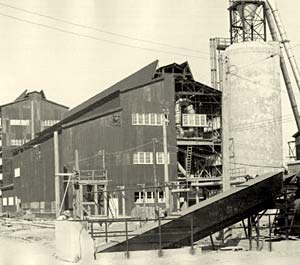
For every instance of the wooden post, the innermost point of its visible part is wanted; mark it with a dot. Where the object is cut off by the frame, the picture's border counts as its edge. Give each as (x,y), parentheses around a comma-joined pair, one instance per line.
(270,234)
(159,237)
(96,199)
(192,234)
(166,163)
(32,120)
(80,201)
(105,200)
(250,232)
(92,230)
(76,192)
(56,171)
(127,243)
(106,232)
(212,241)
(257,234)
(156,214)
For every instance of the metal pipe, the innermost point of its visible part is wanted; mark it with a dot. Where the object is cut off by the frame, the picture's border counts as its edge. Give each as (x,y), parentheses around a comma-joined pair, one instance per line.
(283,67)
(285,41)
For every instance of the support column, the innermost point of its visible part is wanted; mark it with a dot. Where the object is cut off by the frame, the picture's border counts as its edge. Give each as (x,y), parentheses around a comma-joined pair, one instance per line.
(166,163)
(56,171)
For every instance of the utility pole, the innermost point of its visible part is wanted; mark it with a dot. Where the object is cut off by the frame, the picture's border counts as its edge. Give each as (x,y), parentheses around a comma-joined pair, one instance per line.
(154,141)
(122,189)
(77,192)
(144,198)
(56,171)
(166,160)
(105,186)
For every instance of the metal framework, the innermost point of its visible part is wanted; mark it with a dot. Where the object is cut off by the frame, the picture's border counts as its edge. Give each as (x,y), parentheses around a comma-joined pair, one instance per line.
(247,21)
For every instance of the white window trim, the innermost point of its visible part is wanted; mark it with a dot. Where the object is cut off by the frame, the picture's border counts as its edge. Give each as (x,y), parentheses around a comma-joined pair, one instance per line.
(162,155)
(17,172)
(4,201)
(189,120)
(140,119)
(11,201)
(14,122)
(139,158)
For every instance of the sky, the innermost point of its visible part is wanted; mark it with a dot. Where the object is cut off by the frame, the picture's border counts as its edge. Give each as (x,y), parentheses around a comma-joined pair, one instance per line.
(108,40)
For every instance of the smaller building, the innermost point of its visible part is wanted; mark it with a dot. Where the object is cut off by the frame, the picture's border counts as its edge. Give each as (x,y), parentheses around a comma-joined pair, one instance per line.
(21,121)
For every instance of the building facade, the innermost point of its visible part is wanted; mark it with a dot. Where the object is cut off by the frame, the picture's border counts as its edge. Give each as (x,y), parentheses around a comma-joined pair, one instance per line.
(120,131)
(21,121)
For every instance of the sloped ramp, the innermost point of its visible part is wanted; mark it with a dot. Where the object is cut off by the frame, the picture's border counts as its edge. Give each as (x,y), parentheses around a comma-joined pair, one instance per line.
(206,217)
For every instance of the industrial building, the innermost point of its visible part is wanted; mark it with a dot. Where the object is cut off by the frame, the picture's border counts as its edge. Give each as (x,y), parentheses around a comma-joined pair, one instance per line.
(21,121)
(115,141)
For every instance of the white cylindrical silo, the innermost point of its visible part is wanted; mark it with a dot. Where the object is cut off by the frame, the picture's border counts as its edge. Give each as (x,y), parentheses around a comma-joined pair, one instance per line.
(252,130)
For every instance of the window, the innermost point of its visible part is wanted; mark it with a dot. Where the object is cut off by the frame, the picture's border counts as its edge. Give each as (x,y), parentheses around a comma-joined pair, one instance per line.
(17,172)
(134,118)
(17,142)
(1,176)
(147,119)
(161,197)
(4,201)
(153,119)
(194,120)
(160,158)
(143,158)
(10,201)
(141,119)
(48,123)
(139,197)
(20,122)
(150,197)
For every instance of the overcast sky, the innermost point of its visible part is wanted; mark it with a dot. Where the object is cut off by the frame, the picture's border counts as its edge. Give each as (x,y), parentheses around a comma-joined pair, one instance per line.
(72,63)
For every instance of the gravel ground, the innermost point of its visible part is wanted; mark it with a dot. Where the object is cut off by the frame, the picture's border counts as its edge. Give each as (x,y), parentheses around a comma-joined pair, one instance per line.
(25,245)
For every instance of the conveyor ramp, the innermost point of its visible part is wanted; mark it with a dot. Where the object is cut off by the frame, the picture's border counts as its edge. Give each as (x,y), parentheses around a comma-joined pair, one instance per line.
(206,217)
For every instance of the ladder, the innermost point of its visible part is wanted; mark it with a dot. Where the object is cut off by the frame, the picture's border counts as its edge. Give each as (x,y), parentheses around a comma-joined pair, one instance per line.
(188,160)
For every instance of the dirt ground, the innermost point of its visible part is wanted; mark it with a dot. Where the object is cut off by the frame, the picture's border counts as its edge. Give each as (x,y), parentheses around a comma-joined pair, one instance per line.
(31,245)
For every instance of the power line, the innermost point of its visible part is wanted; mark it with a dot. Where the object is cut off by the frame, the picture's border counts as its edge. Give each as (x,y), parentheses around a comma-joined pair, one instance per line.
(255,83)
(98,39)
(253,165)
(101,30)
(265,125)
(262,121)
(110,154)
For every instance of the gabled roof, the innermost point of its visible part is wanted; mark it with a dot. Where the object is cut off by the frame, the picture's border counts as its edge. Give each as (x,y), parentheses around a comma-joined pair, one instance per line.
(143,76)
(176,68)
(25,95)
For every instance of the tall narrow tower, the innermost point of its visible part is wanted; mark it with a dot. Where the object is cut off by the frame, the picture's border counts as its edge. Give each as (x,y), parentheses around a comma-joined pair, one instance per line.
(251,100)
(247,20)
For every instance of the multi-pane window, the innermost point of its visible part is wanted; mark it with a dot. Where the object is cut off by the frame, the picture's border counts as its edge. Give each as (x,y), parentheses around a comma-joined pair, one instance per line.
(143,158)
(10,201)
(194,120)
(48,123)
(149,198)
(152,119)
(17,142)
(19,122)
(147,158)
(160,158)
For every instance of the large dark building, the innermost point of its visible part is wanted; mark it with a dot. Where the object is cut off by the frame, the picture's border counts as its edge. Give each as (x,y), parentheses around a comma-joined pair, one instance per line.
(115,131)
(21,120)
